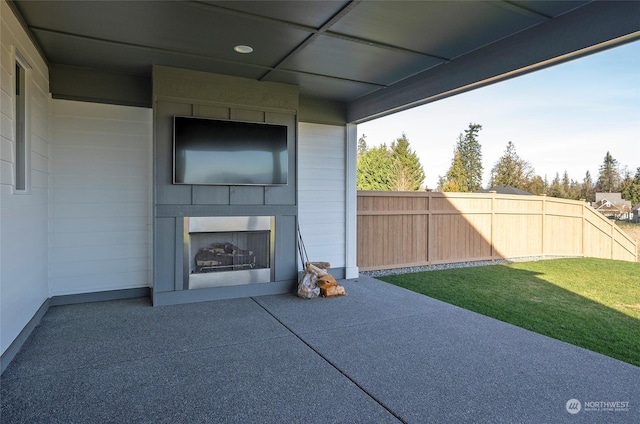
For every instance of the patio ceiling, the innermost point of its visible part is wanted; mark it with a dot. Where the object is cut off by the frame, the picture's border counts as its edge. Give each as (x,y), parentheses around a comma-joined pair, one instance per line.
(373,56)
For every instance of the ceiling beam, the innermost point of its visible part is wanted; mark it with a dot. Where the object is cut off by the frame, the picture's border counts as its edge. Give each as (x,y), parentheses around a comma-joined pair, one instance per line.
(521,10)
(146,47)
(336,17)
(324,29)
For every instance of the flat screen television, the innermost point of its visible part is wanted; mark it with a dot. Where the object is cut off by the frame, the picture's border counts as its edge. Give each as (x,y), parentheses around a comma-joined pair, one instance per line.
(215,152)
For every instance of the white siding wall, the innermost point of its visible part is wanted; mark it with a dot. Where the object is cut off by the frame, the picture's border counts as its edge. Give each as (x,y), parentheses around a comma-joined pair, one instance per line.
(23,217)
(100,197)
(322,193)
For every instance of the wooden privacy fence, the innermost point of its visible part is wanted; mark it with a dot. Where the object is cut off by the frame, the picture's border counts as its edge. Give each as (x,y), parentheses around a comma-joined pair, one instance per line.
(404,229)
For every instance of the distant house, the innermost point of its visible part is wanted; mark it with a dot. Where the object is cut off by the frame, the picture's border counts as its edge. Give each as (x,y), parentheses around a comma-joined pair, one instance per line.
(614,198)
(503,189)
(607,208)
(613,206)
(635,213)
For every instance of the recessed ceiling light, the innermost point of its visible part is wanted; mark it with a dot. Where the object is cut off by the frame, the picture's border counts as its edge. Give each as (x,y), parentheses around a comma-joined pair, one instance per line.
(243,49)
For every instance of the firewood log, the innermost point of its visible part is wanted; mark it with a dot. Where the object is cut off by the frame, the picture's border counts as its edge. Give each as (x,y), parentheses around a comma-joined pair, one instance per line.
(322,265)
(317,271)
(333,291)
(327,281)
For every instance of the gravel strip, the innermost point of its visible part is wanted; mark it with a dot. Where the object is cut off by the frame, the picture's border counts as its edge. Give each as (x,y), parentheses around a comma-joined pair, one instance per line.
(396,271)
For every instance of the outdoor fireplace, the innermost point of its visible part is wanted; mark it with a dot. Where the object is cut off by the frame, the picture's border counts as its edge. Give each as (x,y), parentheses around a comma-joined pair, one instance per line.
(228,251)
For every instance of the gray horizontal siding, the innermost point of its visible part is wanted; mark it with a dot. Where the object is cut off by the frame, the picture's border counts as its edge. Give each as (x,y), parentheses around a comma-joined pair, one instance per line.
(100,199)
(321,195)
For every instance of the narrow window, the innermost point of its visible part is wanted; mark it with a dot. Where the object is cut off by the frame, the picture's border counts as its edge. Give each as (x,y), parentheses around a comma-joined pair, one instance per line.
(20,129)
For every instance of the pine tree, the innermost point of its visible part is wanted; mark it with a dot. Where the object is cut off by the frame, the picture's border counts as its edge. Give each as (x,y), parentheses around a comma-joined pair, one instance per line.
(574,190)
(362,145)
(406,171)
(465,172)
(511,170)
(536,185)
(609,178)
(454,181)
(626,184)
(565,186)
(471,153)
(631,188)
(555,188)
(587,191)
(634,192)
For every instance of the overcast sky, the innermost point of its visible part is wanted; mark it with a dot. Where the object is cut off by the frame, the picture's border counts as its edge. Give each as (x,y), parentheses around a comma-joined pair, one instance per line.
(562,118)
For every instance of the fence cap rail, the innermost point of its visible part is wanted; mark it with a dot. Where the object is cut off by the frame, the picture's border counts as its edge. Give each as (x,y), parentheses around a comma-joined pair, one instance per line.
(374,193)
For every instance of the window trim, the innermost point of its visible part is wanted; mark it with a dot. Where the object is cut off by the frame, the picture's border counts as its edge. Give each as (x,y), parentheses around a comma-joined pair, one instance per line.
(22,125)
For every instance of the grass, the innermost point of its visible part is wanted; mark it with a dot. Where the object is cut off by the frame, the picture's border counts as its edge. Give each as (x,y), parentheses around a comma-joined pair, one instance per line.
(627,224)
(592,303)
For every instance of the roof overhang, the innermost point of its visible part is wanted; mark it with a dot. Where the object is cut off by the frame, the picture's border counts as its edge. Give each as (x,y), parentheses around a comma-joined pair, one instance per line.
(366,58)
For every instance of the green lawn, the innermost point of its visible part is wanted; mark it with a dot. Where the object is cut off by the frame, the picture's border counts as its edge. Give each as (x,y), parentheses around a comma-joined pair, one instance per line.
(593,303)
(626,224)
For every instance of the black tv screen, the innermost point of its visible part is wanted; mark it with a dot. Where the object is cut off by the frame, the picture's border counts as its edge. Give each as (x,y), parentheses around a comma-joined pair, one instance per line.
(215,152)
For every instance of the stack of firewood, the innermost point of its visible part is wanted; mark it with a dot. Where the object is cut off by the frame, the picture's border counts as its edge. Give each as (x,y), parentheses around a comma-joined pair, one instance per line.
(328,285)
(315,279)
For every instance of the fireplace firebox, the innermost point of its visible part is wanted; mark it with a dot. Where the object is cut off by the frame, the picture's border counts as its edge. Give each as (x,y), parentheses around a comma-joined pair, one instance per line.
(228,251)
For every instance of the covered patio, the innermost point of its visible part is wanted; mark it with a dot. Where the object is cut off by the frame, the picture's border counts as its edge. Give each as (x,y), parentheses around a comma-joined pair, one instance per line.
(380,354)
(89,94)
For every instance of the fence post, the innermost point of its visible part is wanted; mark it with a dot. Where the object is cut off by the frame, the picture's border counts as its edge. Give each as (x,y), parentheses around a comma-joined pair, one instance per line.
(584,208)
(493,222)
(611,236)
(544,221)
(429,227)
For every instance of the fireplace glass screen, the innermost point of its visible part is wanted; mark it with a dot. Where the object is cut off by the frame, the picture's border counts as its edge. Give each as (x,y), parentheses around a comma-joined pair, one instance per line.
(228,251)
(217,252)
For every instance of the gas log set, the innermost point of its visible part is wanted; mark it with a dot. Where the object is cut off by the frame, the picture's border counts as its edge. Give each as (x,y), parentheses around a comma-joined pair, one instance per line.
(223,257)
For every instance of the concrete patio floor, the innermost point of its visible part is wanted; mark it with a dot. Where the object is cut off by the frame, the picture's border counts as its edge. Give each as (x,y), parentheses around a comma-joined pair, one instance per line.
(381,354)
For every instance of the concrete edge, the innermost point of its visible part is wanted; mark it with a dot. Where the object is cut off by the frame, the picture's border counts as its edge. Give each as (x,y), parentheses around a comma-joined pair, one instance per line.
(16,345)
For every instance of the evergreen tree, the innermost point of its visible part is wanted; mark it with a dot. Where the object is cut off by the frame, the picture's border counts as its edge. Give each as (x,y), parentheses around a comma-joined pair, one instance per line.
(454,180)
(555,188)
(471,153)
(630,187)
(633,194)
(609,178)
(626,183)
(587,191)
(465,172)
(373,169)
(574,190)
(536,185)
(511,170)
(566,185)
(384,169)
(406,171)
(362,145)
